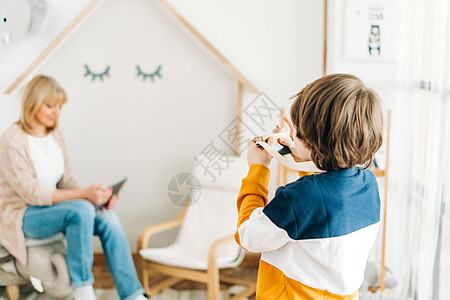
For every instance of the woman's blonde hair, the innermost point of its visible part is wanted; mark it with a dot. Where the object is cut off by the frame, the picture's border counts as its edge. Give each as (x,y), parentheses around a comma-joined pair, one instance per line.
(339,120)
(39,90)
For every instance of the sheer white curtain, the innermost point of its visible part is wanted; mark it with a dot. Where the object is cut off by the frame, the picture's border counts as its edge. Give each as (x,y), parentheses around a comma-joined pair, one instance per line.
(443,261)
(427,245)
(441,270)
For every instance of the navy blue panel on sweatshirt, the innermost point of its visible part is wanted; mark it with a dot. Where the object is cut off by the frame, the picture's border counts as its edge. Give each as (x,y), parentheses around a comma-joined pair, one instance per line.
(326,205)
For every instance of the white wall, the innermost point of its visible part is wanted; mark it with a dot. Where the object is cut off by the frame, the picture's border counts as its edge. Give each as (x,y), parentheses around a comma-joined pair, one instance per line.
(151,131)
(277,45)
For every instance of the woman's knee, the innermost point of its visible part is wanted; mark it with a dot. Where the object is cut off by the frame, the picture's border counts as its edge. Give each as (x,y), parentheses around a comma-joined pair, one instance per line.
(80,211)
(107,221)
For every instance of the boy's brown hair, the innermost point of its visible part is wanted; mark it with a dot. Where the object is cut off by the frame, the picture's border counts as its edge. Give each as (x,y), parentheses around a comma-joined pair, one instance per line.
(340,120)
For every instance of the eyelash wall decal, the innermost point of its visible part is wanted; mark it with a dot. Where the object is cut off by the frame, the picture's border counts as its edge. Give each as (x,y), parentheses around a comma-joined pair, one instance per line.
(149,75)
(96,75)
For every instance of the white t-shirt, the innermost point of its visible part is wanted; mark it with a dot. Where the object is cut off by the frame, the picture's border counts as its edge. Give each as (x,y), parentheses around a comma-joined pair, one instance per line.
(48,160)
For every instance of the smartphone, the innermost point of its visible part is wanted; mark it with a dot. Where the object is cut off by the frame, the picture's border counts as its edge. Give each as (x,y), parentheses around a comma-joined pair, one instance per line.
(282,149)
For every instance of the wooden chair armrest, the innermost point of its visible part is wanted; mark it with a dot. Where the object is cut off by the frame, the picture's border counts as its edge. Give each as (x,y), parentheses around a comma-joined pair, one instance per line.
(212,257)
(148,231)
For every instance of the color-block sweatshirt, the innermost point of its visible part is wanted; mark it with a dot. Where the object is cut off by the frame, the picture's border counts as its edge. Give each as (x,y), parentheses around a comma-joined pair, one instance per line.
(315,235)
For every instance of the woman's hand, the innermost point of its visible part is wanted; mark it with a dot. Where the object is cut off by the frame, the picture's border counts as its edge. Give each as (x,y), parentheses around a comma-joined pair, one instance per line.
(256,155)
(112,202)
(97,194)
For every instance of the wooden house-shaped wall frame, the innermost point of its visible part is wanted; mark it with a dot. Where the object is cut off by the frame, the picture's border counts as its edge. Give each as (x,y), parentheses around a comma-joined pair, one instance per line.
(242,81)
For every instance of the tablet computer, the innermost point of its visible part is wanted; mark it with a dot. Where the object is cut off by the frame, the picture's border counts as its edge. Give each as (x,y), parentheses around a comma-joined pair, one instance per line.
(116,187)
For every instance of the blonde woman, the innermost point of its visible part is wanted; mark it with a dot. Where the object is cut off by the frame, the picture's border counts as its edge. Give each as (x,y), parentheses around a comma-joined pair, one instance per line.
(40,198)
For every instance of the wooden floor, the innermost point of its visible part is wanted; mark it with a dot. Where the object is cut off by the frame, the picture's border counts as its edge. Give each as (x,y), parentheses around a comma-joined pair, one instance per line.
(248,270)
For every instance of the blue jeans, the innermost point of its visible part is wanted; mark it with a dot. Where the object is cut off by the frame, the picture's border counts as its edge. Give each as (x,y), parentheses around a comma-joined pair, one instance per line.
(79,221)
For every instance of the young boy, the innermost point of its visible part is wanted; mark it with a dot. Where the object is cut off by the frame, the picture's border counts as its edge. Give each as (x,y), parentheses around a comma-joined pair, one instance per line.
(316,233)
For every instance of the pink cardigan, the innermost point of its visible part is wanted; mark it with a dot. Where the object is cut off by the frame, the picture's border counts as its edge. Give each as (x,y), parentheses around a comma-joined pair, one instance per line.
(19,187)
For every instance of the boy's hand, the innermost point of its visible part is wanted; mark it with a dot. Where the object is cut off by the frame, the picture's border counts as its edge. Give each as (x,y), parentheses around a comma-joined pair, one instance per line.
(257,155)
(290,143)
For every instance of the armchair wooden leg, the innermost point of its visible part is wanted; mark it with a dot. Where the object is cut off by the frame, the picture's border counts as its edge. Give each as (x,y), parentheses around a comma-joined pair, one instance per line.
(158,287)
(213,285)
(138,261)
(13,292)
(250,290)
(145,282)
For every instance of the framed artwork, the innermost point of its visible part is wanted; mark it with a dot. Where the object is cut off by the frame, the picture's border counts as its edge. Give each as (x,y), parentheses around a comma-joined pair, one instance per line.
(371,30)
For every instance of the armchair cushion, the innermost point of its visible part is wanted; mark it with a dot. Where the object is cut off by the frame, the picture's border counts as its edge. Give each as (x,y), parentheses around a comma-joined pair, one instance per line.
(30,242)
(209,219)
(177,255)
(212,217)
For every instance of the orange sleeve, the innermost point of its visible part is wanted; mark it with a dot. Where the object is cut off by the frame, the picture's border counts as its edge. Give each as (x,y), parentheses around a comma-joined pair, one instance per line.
(253,194)
(303,173)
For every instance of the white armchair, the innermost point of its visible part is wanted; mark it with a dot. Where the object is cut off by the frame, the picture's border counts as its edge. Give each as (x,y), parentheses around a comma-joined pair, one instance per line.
(205,242)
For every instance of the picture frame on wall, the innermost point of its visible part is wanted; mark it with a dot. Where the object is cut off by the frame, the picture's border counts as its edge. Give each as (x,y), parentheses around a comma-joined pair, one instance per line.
(371,30)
